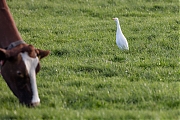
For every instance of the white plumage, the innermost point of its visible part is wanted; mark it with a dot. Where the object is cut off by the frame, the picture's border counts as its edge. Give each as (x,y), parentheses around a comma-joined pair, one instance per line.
(120,38)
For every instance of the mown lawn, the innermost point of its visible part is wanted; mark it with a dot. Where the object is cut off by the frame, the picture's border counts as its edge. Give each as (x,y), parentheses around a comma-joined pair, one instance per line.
(87,77)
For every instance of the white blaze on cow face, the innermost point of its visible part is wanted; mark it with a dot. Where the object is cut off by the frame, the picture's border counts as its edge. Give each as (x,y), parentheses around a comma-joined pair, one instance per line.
(31,64)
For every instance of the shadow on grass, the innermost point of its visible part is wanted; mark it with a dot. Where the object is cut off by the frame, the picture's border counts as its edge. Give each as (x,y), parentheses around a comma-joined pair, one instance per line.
(60,53)
(106,72)
(118,59)
(8,117)
(8,100)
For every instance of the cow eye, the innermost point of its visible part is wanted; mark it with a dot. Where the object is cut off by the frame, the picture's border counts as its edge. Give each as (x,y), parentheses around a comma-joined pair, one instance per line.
(19,73)
(38,68)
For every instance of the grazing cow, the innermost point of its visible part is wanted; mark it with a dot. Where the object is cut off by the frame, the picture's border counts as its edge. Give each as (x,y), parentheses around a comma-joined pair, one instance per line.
(19,61)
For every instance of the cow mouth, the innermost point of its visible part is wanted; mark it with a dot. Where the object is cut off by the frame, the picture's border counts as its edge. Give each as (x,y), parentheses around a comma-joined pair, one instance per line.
(29,104)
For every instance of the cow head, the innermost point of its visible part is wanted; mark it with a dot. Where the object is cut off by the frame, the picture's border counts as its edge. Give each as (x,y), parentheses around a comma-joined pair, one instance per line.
(21,64)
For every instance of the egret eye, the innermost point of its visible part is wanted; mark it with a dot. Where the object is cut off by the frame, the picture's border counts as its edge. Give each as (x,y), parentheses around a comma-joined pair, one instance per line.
(19,73)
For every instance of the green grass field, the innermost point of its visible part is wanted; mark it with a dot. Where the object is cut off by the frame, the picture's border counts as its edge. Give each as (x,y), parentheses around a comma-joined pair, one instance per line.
(87,77)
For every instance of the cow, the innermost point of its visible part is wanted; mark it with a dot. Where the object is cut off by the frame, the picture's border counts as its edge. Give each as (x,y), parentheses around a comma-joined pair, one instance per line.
(20,62)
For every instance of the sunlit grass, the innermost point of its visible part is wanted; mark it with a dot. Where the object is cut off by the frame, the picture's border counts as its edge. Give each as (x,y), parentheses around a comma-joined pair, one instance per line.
(87,76)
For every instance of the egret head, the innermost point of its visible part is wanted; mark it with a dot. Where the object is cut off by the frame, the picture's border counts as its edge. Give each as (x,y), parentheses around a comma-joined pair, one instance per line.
(116,19)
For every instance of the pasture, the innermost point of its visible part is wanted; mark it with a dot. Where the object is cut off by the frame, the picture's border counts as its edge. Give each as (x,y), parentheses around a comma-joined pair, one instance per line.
(87,77)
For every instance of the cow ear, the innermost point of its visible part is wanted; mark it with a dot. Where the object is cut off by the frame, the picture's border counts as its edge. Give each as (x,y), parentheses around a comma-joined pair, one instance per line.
(42,53)
(4,54)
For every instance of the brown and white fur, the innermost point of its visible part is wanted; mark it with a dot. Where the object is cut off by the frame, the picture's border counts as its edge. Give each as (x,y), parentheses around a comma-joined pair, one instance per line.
(19,63)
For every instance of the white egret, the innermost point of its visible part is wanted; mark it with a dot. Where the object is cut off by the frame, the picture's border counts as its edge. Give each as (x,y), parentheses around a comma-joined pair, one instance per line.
(120,38)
